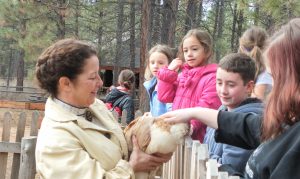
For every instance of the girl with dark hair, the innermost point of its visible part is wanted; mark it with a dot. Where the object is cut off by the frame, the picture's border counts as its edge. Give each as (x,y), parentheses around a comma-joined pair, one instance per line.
(120,98)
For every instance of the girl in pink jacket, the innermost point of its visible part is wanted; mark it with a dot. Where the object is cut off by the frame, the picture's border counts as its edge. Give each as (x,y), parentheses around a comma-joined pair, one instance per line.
(193,83)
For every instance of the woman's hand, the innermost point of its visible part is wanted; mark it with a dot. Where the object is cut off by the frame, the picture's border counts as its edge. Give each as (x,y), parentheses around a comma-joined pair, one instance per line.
(141,162)
(175,64)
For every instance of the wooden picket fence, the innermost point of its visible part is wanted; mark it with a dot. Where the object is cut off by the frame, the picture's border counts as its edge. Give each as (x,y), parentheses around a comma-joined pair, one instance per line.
(17,157)
(191,161)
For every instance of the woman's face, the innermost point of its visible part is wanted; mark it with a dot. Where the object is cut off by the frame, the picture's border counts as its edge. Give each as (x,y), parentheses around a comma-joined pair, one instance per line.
(84,88)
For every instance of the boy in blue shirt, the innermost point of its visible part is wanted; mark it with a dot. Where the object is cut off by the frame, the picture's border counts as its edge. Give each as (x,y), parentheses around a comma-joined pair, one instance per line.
(235,83)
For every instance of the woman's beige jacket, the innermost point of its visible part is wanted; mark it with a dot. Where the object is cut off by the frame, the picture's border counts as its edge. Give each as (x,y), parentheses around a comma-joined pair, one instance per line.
(70,147)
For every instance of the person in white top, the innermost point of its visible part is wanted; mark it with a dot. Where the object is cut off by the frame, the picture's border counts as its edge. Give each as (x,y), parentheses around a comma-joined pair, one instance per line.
(252,43)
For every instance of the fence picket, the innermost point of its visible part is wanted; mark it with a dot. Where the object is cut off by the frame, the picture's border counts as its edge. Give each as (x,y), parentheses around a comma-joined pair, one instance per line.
(223,175)
(5,138)
(16,156)
(34,123)
(211,169)
(27,166)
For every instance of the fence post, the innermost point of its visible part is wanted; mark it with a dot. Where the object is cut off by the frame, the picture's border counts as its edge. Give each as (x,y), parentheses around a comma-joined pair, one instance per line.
(194,157)
(27,165)
(223,175)
(187,157)
(16,156)
(34,123)
(212,169)
(123,118)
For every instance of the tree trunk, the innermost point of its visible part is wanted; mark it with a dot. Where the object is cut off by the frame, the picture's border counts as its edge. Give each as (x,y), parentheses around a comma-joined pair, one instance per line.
(21,51)
(240,22)
(220,29)
(119,40)
(77,15)
(132,35)
(169,22)
(156,24)
(20,70)
(233,31)
(190,18)
(9,68)
(151,22)
(144,103)
(99,35)
(200,11)
(217,7)
(132,40)
(61,23)
(256,13)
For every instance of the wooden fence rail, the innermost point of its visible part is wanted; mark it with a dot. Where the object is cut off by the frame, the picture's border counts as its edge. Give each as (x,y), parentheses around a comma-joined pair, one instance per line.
(17,155)
(22,105)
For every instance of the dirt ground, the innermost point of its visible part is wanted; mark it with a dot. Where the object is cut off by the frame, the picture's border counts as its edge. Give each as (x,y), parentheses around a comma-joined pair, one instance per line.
(15,114)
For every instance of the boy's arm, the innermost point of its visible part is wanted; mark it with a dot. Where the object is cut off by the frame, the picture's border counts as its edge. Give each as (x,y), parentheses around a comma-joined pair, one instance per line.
(166,85)
(245,133)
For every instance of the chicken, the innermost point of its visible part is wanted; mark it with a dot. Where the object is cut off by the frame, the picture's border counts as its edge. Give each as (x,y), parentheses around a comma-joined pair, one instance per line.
(154,136)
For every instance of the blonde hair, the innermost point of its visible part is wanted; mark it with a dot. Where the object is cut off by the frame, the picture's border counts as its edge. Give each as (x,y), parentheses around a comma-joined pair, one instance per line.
(252,43)
(127,79)
(205,40)
(164,49)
